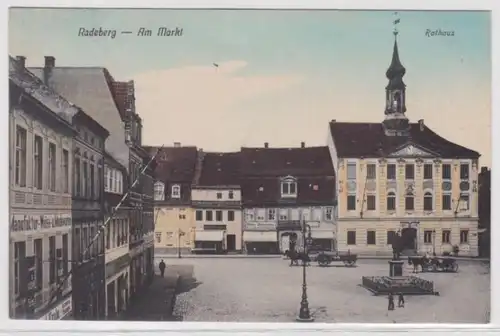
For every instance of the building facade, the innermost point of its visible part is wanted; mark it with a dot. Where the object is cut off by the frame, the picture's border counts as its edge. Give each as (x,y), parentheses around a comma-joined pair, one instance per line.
(117,255)
(174,216)
(397,176)
(41,143)
(484,212)
(216,201)
(281,187)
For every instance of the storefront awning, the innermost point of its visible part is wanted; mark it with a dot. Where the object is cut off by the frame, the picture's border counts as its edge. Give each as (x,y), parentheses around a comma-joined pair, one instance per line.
(322,234)
(212,235)
(262,236)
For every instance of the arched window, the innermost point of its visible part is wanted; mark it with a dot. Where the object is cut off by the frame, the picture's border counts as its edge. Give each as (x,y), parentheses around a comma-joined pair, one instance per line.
(391,201)
(428,201)
(159,191)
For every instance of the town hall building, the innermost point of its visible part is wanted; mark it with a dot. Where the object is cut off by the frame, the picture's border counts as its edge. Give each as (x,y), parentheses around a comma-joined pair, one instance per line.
(400,176)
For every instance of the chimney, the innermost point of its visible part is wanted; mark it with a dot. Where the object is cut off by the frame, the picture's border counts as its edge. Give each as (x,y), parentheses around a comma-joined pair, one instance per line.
(266,144)
(484,170)
(302,144)
(177,144)
(50,62)
(421,125)
(21,60)
(334,120)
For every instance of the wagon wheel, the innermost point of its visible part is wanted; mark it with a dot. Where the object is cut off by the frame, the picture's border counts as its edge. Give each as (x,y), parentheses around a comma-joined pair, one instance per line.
(322,261)
(455,267)
(349,263)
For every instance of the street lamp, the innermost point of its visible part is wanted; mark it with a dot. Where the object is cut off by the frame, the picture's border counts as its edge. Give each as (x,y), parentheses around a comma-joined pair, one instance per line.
(304,312)
(434,242)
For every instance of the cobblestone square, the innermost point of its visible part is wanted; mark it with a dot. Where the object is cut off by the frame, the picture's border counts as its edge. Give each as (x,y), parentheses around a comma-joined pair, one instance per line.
(268,290)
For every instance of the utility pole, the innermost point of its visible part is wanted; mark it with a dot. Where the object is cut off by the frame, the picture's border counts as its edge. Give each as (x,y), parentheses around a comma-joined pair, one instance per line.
(103,227)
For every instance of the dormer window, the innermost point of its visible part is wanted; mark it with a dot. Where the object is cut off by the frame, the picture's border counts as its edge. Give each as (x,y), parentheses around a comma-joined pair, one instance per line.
(176,191)
(288,187)
(159,191)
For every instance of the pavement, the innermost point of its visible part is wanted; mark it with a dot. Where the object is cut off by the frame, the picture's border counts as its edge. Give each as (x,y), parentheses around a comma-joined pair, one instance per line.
(269,290)
(158,301)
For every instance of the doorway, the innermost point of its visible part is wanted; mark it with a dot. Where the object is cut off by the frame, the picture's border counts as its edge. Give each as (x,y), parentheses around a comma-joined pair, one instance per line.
(409,239)
(231,242)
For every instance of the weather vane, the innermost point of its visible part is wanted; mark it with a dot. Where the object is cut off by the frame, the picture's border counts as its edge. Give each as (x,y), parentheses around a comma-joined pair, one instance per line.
(396,22)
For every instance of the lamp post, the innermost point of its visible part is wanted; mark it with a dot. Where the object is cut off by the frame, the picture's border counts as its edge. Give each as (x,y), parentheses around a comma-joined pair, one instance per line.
(304,312)
(434,242)
(179,235)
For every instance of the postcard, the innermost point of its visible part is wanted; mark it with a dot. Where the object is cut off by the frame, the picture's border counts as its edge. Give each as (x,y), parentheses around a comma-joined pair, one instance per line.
(321,166)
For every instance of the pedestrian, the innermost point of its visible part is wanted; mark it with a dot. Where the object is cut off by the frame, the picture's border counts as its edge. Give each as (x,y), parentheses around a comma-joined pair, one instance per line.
(162,267)
(401,300)
(391,302)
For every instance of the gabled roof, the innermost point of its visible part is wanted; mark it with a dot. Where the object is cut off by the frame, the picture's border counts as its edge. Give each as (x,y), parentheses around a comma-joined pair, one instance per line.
(355,140)
(220,169)
(88,87)
(307,161)
(175,164)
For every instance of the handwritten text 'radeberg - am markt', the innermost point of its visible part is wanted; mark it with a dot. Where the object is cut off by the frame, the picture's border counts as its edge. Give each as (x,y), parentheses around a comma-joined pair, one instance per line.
(111,33)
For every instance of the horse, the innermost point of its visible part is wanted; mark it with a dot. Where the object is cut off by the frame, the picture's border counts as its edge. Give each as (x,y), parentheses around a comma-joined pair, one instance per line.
(296,256)
(416,262)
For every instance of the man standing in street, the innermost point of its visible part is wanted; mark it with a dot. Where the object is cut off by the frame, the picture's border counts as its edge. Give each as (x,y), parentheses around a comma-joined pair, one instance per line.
(162,268)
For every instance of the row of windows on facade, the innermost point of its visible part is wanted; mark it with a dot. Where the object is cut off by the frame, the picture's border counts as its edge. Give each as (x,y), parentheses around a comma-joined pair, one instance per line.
(446,202)
(113,180)
(85,247)
(117,233)
(218,215)
(41,172)
(271,214)
(28,276)
(159,192)
(371,171)
(429,237)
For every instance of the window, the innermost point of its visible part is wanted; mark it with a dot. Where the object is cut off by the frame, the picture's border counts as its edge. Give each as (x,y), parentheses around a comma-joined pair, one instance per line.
(218,216)
(351,171)
(98,182)
(85,237)
(351,237)
(38,162)
(85,179)
(159,190)
(78,181)
(38,247)
(219,195)
(288,188)
(176,191)
(199,215)
(208,216)
(271,214)
(445,238)
(351,202)
(93,247)
(428,171)
(371,171)
(409,171)
(446,202)
(182,216)
(231,194)
(409,203)
(230,215)
(261,213)
(464,171)
(249,215)
(52,167)
(283,214)
(111,180)
(328,213)
(108,236)
(106,178)
(65,171)
(92,181)
(391,201)
(158,237)
(391,171)
(370,202)
(446,171)
(390,236)
(428,236)
(464,202)
(52,259)
(370,237)
(170,235)
(20,172)
(464,236)
(19,267)
(428,202)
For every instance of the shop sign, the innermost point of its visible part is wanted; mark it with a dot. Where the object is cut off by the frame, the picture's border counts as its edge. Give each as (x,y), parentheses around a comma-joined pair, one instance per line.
(20,223)
(60,311)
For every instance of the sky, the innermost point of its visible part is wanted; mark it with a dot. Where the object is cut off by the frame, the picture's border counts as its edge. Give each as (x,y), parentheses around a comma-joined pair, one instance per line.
(282,75)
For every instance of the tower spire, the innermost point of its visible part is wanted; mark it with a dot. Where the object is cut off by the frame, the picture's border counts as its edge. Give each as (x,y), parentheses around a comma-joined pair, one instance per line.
(395,122)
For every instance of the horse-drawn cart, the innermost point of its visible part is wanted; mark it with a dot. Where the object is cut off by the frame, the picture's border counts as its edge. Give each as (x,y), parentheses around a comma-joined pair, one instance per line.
(325,258)
(433,264)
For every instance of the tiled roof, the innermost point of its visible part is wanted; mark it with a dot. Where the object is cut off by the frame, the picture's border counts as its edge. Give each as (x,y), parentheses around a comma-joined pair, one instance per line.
(220,169)
(353,140)
(88,87)
(267,191)
(308,161)
(120,94)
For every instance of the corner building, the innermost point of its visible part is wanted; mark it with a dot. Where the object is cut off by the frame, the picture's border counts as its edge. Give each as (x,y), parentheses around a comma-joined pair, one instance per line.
(402,176)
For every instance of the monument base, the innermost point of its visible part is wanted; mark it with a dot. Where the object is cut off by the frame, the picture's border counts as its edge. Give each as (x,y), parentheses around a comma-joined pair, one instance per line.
(396,268)
(406,285)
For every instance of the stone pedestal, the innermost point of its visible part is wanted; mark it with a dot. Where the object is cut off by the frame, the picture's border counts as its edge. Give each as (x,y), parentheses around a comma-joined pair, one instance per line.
(396,268)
